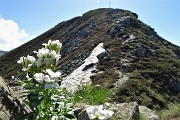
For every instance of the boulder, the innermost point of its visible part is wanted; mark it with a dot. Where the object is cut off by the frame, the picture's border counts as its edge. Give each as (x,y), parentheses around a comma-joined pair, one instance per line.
(148,114)
(3,116)
(10,106)
(122,111)
(85,32)
(141,52)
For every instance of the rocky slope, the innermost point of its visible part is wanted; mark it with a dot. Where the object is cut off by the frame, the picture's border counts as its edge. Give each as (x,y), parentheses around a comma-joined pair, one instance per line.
(137,64)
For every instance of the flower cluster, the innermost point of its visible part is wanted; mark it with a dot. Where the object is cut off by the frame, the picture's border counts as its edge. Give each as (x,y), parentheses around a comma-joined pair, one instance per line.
(97,112)
(44,95)
(47,57)
(42,90)
(27,62)
(49,78)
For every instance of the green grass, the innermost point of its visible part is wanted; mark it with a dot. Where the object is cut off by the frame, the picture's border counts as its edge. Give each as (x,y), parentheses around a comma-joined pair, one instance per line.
(142,117)
(92,95)
(173,111)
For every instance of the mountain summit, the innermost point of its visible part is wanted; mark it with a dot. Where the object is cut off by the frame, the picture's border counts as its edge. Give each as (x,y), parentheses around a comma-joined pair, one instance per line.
(136,63)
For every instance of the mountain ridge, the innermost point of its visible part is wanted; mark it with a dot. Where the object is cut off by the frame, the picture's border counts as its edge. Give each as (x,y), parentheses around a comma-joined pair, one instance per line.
(133,50)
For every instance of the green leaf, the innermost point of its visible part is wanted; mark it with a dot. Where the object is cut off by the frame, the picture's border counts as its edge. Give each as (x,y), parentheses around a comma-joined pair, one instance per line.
(70,116)
(33,96)
(36,102)
(24,116)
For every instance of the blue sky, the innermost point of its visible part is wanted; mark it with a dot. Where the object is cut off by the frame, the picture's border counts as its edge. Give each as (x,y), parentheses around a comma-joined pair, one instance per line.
(22,20)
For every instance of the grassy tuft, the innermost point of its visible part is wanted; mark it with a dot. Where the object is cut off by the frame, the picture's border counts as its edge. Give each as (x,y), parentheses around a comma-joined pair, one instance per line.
(142,117)
(92,95)
(173,111)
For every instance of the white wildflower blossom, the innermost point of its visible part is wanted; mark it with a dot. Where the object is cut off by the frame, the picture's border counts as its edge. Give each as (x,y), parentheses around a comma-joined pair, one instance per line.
(49,85)
(31,59)
(22,60)
(43,52)
(38,62)
(98,112)
(55,85)
(49,42)
(46,78)
(53,54)
(53,74)
(39,77)
(47,61)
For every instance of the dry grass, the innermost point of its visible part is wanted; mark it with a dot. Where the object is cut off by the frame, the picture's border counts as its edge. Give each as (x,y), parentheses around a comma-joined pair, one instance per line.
(172,113)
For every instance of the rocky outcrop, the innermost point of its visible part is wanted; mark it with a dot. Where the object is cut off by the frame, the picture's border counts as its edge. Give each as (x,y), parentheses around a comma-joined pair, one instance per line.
(148,114)
(122,111)
(10,106)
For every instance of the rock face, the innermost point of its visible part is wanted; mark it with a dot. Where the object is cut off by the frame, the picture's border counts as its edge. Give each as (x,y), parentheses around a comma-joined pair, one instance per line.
(124,111)
(149,64)
(10,106)
(148,113)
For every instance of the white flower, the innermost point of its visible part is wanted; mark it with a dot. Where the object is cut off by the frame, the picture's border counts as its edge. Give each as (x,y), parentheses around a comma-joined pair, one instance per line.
(49,42)
(53,54)
(53,74)
(98,112)
(39,77)
(38,62)
(46,78)
(31,59)
(54,118)
(22,60)
(47,61)
(56,42)
(43,52)
(50,72)
(55,85)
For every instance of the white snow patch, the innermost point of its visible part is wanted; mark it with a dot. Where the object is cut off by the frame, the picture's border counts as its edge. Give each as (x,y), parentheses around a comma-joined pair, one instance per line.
(79,77)
(131,38)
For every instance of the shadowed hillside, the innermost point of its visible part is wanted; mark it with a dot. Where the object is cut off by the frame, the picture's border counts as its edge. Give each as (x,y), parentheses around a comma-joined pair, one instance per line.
(134,51)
